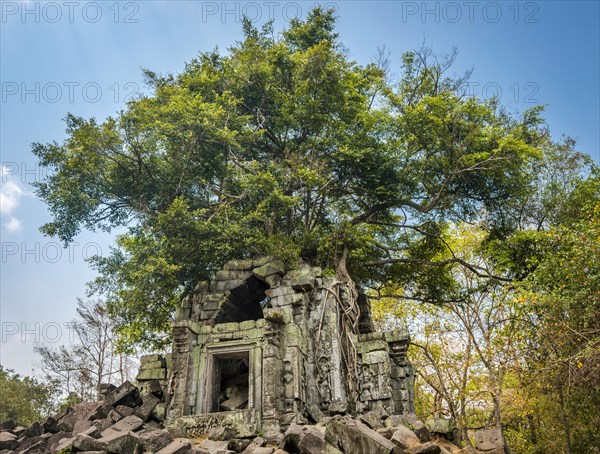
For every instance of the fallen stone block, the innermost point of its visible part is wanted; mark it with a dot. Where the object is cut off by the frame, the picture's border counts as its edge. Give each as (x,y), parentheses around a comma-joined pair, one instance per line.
(425,448)
(404,438)
(380,411)
(349,435)
(130,423)
(114,416)
(221,433)
(393,421)
(36,448)
(313,444)
(83,442)
(126,394)
(82,425)
(236,397)
(92,431)
(124,410)
(34,430)
(489,439)
(214,446)
(120,442)
(387,432)
(50,425)
(160,412)
(55,439)
(144,411)
(263,450)
(8,441)
(338,408)
(101,412)
(238,444)
(372,419)
(76,413)
(102,424)
(105,388)
(258,442)
(177,446)
(304,439)
(408,419)
(151,387)
(421,431)
(315,412)
(18,431)
(442,426)
(64,444)
(154,440)
(27,443)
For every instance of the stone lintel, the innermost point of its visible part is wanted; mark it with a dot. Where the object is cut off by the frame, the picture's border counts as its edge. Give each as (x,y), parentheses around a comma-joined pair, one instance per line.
(226,327)
(370,346)
(367,337)
(397,336)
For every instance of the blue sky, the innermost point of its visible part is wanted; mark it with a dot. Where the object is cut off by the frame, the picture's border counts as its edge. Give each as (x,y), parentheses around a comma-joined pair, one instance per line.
(85,58)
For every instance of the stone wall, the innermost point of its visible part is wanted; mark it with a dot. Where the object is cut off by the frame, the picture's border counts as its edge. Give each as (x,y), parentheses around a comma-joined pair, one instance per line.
(285,346)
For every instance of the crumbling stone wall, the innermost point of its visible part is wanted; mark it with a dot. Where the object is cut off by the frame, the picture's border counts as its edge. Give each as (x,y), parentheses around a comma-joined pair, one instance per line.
(304,343)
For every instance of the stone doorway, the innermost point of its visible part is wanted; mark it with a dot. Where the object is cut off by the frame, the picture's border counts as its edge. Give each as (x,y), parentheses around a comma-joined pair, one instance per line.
(231,385)
(229,382)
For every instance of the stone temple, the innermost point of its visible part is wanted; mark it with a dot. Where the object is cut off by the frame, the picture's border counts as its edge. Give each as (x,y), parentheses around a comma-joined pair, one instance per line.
(261,347)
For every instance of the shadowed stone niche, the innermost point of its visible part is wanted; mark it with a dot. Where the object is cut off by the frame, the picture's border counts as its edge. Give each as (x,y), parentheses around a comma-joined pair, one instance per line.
(262,347)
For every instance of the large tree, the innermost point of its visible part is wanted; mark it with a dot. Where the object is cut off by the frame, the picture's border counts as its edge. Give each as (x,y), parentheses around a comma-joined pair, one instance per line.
(285,146)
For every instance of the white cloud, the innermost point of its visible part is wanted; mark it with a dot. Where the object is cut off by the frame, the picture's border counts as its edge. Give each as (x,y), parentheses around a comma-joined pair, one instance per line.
(10,198)
(13,225)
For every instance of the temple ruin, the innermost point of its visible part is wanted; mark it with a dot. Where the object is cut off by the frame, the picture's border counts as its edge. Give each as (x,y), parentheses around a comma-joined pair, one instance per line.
(261,347)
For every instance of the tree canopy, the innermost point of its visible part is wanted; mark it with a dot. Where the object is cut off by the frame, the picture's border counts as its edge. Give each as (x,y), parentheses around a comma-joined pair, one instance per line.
(285,146)
(24,399)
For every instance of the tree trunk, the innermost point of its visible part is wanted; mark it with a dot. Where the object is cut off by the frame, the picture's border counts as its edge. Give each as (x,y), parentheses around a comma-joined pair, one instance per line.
(565,421)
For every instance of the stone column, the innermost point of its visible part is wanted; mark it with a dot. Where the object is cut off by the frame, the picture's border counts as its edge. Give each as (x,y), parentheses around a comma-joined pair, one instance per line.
(272,386)
(181,377)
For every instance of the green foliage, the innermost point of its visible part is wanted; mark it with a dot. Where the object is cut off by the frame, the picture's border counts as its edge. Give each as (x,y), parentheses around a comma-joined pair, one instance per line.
(562,297)
(527,348)
(24,399)
(284,146)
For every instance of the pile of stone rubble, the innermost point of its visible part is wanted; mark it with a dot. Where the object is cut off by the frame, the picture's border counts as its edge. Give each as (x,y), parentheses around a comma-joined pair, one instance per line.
(130,420)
